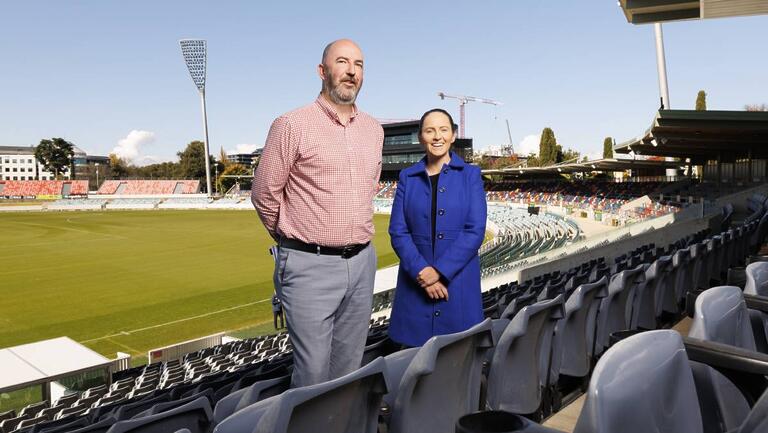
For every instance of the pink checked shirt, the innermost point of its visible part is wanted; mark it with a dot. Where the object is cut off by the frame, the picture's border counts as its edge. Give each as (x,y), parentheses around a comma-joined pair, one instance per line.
(317,177)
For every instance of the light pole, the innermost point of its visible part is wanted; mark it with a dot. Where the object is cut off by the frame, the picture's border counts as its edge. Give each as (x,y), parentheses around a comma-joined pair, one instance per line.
(97,176)
(194,52)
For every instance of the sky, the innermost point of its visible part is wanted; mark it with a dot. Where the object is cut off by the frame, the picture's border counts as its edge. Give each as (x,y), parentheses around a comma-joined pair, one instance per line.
(109,76)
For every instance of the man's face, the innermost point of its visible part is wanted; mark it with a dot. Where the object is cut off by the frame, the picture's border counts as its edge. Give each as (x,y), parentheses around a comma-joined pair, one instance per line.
(342,72)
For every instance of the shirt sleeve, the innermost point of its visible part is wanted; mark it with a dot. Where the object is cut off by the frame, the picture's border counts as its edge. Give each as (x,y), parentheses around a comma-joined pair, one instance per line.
(269,180)
(465,247)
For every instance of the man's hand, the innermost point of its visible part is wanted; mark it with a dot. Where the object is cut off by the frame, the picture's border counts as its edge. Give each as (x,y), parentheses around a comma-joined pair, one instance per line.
(437,291)
(427,277)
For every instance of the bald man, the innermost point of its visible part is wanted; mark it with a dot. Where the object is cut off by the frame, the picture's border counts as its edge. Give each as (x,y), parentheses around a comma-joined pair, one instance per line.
(313,191)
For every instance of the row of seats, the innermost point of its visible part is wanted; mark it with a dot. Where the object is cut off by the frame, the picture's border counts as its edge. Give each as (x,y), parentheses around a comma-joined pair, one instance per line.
(149,187)
(33,188)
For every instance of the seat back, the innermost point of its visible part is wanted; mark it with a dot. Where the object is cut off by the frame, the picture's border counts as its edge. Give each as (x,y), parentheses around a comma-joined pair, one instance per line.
(616,308)
(518,372)
(442,382)
(642,384)
(700,269)
(722,316)
(648,299)
(757,279)
(245,397)
(680,278)
(574,340)
(349,404)
(196,416)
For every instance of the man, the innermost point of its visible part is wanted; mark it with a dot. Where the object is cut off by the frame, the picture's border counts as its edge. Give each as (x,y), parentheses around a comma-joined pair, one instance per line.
(313,191)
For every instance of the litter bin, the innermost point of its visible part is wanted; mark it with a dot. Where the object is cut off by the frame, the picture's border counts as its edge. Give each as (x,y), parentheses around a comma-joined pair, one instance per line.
(494,421)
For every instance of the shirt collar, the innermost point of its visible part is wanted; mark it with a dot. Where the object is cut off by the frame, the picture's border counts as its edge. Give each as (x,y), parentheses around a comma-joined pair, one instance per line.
(331,112)
(456,162)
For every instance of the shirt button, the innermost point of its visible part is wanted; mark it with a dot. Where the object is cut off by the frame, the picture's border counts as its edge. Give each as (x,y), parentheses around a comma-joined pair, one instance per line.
(439,235)
(442,189)
(445,171)
(437,313)
(441,212)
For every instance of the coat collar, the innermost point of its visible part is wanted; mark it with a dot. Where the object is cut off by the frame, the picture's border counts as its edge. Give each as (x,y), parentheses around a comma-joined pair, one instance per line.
(420,167)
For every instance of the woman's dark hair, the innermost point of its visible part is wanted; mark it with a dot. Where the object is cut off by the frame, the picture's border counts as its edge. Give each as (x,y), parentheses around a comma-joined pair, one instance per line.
(437,110)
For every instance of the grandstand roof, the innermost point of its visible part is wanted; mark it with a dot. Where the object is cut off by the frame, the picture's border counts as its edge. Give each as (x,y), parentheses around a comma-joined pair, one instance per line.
(606,164)
(657,11)
(43,361)
(703,135)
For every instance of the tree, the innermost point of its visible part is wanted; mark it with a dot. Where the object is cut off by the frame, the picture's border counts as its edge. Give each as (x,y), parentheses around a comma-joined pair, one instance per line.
(56,155)
(192,161)
(756,107)
(701,101)
(224,183)
(547,147)
(569,155)
(117,166)
(608,148)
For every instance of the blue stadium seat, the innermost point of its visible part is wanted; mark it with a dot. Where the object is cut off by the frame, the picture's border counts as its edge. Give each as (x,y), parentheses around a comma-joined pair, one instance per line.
(757,279)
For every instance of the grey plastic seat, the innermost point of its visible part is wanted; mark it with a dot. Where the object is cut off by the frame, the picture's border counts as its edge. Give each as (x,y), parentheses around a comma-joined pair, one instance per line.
(616,307)
(245,397)
(196,416)
(573,344)
(643,384)
(700,269)
(757,420)
(648,299)
(722,316)
(517,377)
(345,405)
(439,381)
(681,278)
(757,279)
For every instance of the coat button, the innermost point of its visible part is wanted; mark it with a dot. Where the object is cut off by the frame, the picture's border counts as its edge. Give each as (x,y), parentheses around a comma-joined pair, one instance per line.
(439,235)
(441,212)
(442,189)
(437,313)
(445,171)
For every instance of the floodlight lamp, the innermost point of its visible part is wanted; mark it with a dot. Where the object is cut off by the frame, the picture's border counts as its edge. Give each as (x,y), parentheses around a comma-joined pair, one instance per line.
(593,167)
(654,143)
(194,52)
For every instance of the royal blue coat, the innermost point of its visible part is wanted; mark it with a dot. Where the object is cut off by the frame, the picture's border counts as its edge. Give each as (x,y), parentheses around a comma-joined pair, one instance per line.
(459,231)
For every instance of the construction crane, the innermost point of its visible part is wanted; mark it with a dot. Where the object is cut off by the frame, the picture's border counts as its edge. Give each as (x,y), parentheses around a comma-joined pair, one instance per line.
(509,149)
(462,102)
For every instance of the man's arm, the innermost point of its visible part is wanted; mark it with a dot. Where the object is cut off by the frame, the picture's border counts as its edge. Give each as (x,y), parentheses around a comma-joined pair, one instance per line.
(279,154)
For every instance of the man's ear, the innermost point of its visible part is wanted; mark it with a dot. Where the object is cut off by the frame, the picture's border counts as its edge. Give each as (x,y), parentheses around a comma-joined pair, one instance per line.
(321,71)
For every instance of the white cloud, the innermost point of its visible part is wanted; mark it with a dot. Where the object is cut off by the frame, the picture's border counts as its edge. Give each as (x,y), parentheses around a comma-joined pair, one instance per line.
(529,144)
(130,147)
(243,148)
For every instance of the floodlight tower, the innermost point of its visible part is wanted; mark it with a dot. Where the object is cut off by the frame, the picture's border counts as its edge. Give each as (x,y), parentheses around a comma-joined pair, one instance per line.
(194,52)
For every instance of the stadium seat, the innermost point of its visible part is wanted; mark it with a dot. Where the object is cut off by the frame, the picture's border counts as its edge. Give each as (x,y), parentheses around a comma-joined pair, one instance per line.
(757,279)
(95,427)
(196,416)
(647,306)
(722,316)
(127,411)
(573,345)
(517,377)
(439,381)
(345,405)
(615,311)
(245,397)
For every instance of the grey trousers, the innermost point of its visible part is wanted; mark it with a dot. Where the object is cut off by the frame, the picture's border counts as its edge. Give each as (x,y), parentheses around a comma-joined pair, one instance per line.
(327,302)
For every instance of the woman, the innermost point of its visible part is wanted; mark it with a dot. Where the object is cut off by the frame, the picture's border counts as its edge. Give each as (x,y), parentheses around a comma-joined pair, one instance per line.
(437,226)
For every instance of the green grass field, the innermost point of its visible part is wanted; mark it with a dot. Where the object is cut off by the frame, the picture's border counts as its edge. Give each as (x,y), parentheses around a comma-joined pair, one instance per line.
(135,280)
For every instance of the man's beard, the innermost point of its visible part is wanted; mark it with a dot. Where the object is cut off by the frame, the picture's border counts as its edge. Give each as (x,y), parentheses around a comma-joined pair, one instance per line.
(339,94)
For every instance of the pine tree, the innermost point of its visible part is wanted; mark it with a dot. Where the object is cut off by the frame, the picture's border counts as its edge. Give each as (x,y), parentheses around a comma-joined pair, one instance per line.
(701,101)
(547,147)
(608,148)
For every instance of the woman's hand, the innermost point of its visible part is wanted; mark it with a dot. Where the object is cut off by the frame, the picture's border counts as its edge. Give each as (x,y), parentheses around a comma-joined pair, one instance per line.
(427,277)
(437,291)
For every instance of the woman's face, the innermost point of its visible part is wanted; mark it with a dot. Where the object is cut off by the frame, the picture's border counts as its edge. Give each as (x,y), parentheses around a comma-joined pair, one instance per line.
(437,135)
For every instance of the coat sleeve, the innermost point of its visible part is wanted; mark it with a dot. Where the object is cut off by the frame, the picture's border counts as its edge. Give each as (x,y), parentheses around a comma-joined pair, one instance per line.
(411,261)
(464,247)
